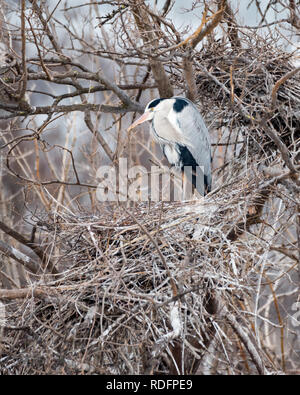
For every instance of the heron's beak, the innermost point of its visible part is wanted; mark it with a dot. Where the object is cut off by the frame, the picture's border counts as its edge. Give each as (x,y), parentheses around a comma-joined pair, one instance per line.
(145,117)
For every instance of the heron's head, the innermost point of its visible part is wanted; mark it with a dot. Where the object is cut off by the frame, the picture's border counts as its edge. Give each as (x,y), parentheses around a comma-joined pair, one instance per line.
(151,108)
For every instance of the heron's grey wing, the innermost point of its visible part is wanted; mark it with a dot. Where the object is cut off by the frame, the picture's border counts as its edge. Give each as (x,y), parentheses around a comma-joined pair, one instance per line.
(191,123)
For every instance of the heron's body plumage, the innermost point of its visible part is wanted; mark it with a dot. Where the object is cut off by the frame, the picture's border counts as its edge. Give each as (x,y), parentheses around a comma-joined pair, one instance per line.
(180,130)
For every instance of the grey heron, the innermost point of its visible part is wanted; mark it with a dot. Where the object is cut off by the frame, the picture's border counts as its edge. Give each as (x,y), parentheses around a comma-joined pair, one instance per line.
(180,130)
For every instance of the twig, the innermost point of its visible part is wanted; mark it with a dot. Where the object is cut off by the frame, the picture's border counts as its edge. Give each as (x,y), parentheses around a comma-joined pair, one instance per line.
(24,66)
(44,67)
(36,249)
(18,256)
(68,108)
(281,324)
(99,137)
(200,33)
(272,133)
(248,343)
(277,85)
(23,293)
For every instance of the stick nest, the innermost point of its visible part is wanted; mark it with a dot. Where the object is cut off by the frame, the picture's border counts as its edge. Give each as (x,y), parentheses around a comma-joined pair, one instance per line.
(236,86)
(139,287)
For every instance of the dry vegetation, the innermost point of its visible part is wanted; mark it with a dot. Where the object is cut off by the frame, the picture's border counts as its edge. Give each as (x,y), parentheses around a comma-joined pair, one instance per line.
(199,287)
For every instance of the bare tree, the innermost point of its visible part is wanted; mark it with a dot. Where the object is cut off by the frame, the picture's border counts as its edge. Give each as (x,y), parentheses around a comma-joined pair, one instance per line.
(203,287)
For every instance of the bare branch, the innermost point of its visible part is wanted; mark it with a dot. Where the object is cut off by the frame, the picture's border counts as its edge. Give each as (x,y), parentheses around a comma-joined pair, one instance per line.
(69,108)
(143,23)
(281,81)
(200,33)
(18,256)
(41,253)
(247,342)
(24,66)
(23,293)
